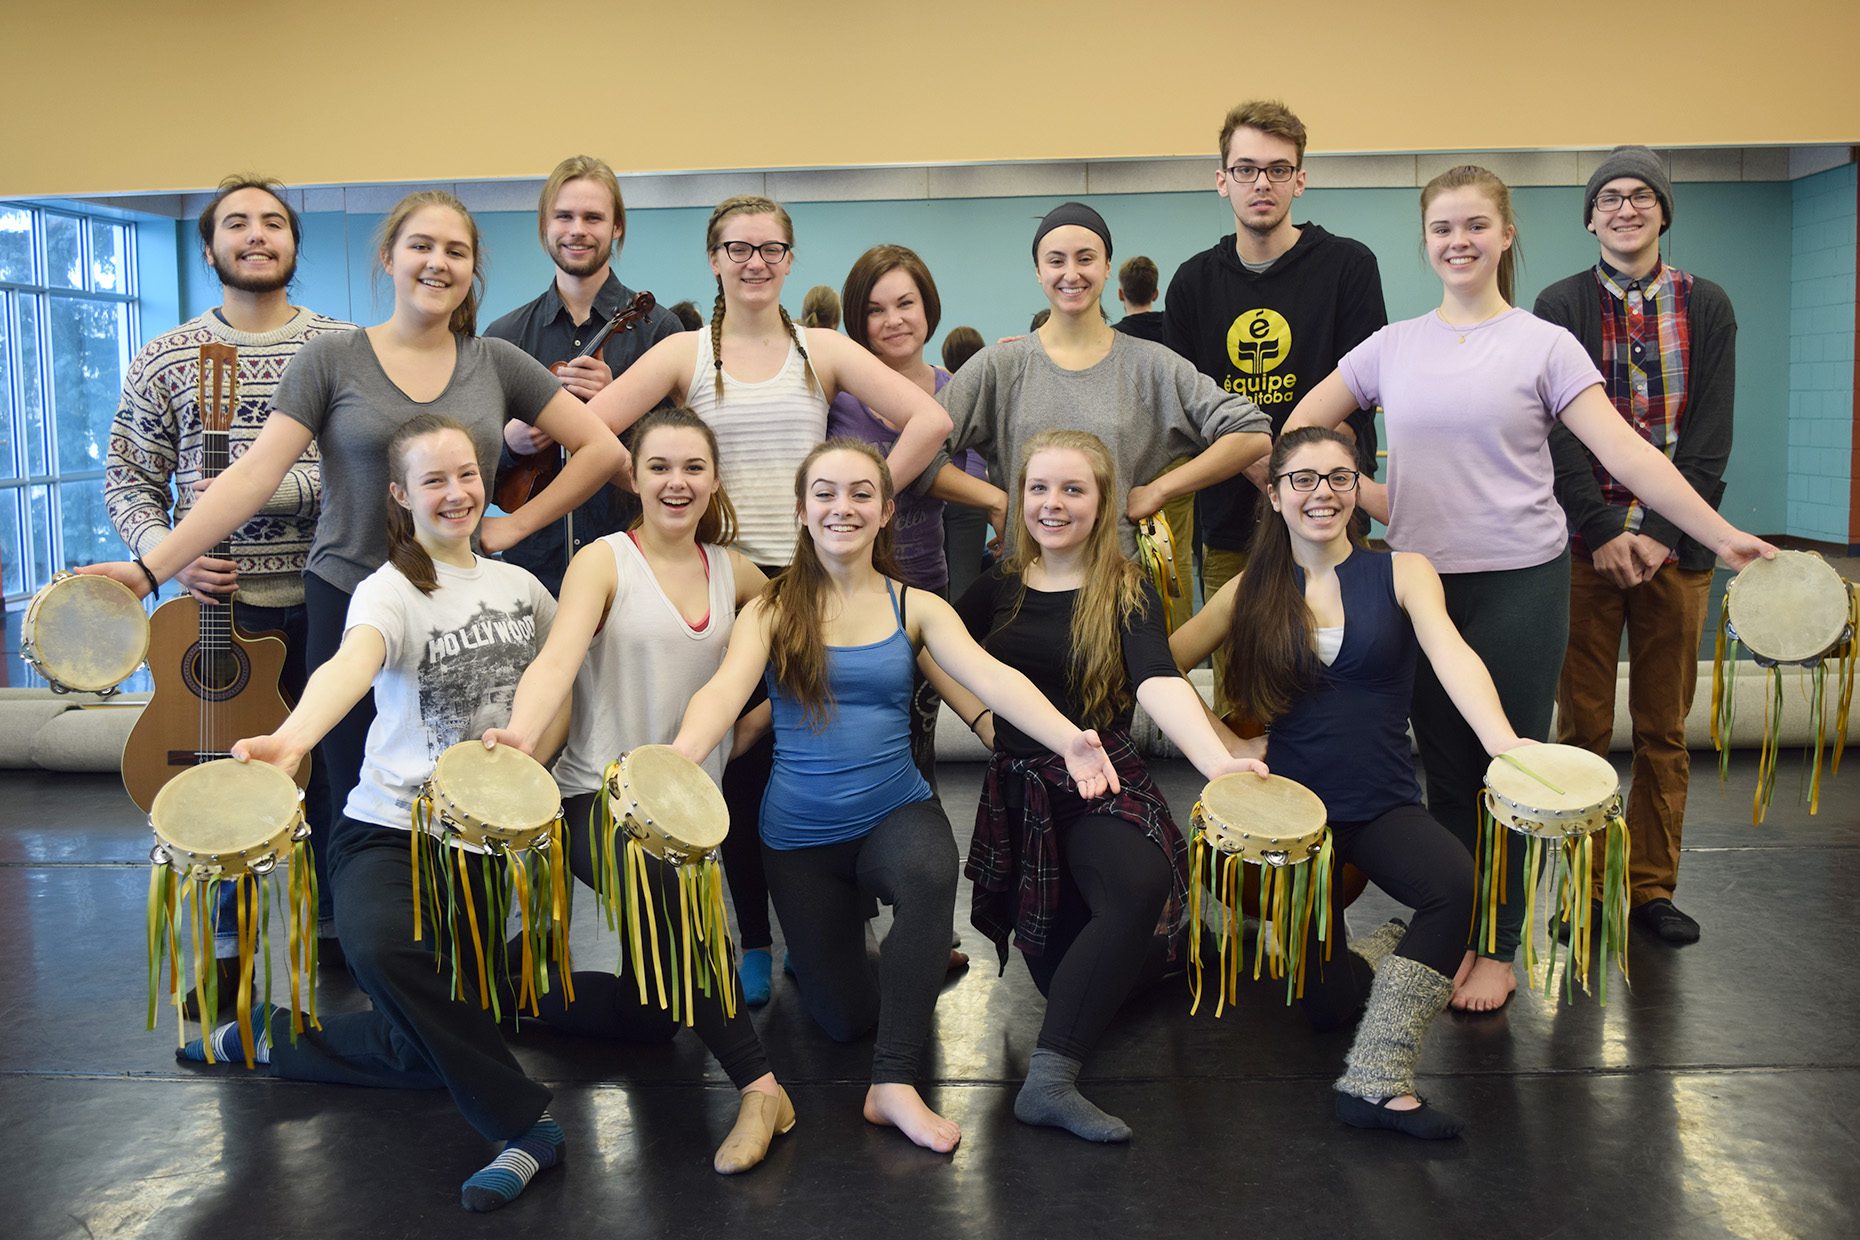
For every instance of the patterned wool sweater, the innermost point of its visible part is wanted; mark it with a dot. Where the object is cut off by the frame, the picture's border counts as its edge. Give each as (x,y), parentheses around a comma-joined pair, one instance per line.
(156,448)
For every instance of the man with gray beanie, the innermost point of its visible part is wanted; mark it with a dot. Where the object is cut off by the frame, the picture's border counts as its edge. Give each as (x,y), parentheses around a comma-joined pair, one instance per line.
(1665,343)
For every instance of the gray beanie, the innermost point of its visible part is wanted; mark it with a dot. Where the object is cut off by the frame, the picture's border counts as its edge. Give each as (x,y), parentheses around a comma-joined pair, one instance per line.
(1641,164)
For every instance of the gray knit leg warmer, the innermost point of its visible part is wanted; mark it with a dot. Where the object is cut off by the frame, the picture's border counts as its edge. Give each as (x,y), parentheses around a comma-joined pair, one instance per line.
(1379,944)
(1404,1001)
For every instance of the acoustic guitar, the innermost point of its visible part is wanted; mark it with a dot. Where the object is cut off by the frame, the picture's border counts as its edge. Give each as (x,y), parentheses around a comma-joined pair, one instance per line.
(213,683)
(517,485)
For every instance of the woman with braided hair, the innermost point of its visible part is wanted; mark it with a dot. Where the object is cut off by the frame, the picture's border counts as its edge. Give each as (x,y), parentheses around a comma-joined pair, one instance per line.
(763,385)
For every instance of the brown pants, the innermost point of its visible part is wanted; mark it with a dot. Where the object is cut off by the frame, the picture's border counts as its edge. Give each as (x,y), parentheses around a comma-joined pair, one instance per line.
(1664,618)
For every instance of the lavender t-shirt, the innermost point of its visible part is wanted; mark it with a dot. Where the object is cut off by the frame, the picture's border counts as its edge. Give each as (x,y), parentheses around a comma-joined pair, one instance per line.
(1468,413)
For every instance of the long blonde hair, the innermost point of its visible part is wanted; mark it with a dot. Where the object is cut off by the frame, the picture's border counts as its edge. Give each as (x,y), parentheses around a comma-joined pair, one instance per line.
(1112,595)
(748,204)
(796,599)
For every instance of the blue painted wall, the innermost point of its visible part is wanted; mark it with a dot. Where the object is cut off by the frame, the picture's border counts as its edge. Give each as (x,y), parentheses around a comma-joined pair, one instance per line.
(1821,356)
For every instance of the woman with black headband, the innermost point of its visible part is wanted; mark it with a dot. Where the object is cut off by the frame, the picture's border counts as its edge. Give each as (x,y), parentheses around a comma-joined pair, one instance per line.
(1147,403)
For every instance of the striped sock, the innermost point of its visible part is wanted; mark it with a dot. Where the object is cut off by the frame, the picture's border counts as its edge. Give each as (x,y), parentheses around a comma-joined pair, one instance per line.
(497,1184)
(226,1048)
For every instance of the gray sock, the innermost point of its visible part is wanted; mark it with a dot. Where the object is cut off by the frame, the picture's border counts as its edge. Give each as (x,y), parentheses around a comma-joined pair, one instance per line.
(1404,1001)
(1379,944)
(1051,1096)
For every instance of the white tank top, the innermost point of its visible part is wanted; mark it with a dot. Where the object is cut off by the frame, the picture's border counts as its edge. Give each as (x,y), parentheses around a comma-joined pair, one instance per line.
(764,430)
(643,668)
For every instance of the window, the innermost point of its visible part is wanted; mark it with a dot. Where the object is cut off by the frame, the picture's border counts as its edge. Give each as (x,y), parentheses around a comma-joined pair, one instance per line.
(67,332)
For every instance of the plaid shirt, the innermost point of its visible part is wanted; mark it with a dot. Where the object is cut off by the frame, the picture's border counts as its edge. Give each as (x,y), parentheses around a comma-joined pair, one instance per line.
(1646,348)
(1015,865)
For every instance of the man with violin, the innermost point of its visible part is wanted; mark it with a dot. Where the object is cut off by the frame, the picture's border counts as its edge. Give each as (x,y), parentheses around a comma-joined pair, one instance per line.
(581,219)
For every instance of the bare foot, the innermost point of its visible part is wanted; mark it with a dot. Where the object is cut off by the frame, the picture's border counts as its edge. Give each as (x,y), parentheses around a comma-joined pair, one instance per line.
(958,959)
(1488,985)
(1406,1102)
(903,1108)
(1466,964)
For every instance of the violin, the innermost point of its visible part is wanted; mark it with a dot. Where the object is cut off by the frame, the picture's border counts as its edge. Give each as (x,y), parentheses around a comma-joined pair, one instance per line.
(528,475)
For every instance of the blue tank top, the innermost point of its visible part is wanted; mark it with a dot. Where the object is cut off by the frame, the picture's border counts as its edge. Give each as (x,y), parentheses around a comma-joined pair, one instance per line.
(836,784)
(1347,739)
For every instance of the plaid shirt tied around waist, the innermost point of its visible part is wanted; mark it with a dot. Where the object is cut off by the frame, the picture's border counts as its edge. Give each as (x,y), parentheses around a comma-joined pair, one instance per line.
(1014,861)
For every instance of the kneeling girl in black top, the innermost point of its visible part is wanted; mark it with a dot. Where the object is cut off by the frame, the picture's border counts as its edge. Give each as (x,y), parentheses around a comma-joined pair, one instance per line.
(1321,637)
(1080,882)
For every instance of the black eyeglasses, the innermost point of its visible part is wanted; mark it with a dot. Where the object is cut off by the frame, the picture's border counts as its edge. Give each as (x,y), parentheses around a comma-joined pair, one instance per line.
(772,252)
(1608,200)
(1307,479)
(1247,174)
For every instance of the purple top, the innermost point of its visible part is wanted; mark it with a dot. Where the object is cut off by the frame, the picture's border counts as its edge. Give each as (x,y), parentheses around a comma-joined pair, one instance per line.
(1468,414)
(919,521)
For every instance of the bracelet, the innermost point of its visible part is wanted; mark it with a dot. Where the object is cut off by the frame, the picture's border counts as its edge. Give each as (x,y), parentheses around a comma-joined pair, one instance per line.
(154,585)
(978,717)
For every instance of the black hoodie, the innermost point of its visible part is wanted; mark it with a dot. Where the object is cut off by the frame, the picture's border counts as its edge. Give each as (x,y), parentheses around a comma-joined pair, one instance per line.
(1273,335)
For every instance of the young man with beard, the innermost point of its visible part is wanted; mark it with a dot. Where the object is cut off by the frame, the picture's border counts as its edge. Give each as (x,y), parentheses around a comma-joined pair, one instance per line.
(1268,310)
(249,235)
(581,219)
(1665,341)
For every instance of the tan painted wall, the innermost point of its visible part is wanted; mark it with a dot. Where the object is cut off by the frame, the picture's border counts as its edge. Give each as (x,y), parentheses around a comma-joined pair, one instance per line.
(348,91)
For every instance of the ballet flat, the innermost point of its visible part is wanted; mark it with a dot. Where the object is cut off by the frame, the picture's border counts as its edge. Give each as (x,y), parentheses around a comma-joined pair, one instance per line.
(760,1121)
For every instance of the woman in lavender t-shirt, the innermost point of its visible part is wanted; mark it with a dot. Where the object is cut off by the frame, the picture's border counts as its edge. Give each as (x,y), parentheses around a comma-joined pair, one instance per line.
(1469,393)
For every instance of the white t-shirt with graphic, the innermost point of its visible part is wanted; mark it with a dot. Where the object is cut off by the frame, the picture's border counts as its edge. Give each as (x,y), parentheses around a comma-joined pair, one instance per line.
(453,661)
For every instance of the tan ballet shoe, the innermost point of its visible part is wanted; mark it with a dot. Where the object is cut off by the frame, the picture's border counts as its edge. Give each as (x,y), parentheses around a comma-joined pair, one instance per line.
(760,1121)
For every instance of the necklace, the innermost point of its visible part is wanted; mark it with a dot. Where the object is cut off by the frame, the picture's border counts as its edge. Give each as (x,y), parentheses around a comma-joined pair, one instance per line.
(1475,323)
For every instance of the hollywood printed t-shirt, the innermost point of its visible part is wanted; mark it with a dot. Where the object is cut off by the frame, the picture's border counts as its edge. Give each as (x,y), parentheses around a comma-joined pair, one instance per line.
(453,661)
(1468,411)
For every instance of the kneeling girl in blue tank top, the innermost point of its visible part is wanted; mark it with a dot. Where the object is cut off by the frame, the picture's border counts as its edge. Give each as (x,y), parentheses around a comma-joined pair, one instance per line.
(1322,636)
(847,817)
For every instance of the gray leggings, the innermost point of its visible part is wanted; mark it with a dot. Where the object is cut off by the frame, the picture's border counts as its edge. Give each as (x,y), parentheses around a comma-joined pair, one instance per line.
(821,896)
(1518,623)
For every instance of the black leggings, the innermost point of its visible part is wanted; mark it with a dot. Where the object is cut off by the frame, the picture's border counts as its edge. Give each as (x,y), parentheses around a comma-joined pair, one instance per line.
(416,1036)
(608,1006)
(1114,883)
(821,894)
(1408,854)
(341,751)
(1518,623)
(745,779)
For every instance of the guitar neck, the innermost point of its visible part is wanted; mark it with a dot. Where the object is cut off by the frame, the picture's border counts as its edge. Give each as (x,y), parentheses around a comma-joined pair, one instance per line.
(215,456)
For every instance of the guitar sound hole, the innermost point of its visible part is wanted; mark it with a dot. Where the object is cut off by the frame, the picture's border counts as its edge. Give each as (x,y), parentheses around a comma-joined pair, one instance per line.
(215,675)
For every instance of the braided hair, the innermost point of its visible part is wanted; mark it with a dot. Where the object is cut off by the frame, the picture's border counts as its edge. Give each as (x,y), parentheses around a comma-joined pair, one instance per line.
(748,204)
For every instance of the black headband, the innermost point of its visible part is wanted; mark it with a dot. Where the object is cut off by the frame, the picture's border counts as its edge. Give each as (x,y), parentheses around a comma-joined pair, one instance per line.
(1072,213)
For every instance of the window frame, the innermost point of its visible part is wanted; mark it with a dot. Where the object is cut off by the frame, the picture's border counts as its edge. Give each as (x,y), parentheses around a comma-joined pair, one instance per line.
(43,294)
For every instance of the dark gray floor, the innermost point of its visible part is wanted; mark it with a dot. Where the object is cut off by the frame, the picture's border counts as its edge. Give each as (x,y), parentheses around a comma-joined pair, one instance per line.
(1714,1100)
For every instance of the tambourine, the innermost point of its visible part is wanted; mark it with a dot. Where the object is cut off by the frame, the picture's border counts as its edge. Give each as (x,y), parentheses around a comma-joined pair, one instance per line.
(84,633)
(1793,609)
(659,807)
(242,823)
(503,804)
(1560,798)
(1282,827)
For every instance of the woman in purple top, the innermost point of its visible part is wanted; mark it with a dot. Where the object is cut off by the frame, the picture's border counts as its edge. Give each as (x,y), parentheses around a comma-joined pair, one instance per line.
(1469,393)
(892,307)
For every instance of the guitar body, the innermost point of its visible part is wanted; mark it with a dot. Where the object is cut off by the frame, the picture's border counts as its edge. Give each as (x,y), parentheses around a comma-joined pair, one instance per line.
(204,699)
